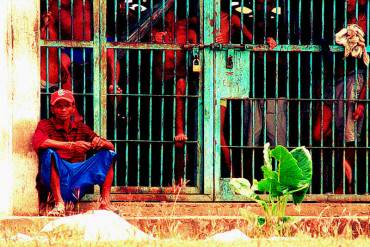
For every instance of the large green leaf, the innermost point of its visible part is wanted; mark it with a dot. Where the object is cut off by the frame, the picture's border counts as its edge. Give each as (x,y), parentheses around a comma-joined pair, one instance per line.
(242,186)
(272,186)
(289,174)
(304,161)
(268,172)
(298,196)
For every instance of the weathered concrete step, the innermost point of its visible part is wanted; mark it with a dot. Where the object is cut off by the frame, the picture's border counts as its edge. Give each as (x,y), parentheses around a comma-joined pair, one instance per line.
(165,209)
(199,227)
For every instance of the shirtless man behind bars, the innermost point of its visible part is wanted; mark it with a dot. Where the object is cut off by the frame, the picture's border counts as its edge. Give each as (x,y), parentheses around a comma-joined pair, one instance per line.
(80,29)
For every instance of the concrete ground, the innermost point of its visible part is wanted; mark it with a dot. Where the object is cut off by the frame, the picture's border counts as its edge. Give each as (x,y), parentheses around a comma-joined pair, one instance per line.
(200,219)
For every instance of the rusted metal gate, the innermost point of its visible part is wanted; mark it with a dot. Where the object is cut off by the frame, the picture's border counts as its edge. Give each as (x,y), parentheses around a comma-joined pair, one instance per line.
(229,75)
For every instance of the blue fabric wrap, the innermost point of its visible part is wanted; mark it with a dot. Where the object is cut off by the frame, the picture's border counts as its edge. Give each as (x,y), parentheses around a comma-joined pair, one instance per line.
(76,176)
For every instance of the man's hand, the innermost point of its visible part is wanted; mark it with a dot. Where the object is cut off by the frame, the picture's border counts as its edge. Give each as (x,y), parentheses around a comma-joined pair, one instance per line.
(98,143)
(80,146)
(111,91)
(271,42)
(180,140)
(162,37)
(359,112)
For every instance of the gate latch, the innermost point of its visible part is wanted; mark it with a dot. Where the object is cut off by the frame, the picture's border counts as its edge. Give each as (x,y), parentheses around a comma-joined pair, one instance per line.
(229,59)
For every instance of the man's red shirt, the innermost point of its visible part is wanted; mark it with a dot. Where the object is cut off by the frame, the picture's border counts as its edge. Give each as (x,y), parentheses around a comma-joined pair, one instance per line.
(50,129)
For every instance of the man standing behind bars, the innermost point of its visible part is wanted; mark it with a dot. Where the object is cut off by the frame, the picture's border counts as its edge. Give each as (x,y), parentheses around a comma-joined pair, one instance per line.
(348,122)
(61,144)
(234,23)
(80,28)
(174,67)
(267,86)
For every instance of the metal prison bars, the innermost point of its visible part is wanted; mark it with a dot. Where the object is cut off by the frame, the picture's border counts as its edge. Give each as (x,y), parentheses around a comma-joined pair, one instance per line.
(133,66)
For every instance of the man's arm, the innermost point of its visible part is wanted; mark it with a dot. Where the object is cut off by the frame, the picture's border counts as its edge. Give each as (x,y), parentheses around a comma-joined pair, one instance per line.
(78,146)
(236,22)
(99,143)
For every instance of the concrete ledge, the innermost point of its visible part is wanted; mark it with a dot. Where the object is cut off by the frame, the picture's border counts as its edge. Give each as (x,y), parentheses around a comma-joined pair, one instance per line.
(199,227)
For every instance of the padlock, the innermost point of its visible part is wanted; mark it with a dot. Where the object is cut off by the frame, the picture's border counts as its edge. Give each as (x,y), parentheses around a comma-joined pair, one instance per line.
(196,65)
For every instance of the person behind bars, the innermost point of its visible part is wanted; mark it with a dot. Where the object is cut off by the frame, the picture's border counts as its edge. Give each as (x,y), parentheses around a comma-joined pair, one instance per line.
(62,144)
(174,68)
(223,37)
(79,28)
(349,113)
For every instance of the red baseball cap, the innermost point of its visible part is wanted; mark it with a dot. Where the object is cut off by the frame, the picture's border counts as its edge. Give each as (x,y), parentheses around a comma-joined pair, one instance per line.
(62,94)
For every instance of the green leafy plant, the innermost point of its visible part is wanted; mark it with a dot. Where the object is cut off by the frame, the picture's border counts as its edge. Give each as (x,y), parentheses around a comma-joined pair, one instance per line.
(292,178)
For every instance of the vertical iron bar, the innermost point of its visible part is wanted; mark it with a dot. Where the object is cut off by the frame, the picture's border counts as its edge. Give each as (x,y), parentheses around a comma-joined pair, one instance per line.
(139,117)
(355,86)
(276,75)
(322,100)
(334,130)
(253,102)
(162,99)
(229,107)
(115,92)
(311,76)
(367,108)
(186,92)
(174,104)
(241,22)
(288,12)
(200,109)
(139,103)
(127,145)
(344,107)
(265,74)
(150,102)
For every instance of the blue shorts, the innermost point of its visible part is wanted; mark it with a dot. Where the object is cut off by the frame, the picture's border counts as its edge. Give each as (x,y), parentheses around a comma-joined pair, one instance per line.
(76,178)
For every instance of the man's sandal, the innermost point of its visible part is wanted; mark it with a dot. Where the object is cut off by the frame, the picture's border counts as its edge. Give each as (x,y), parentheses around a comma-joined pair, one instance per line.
(58,210)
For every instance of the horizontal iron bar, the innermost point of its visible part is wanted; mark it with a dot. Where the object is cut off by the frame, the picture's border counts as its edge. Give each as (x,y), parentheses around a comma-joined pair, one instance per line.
(67,43)
(153,95)
(307,146)
(301,99)
(316,198)
(153,190)
(152,141)
(143,46)
(214,46)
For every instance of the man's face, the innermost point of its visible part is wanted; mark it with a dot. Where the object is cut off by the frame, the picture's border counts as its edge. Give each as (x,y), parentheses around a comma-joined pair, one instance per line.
(63,110)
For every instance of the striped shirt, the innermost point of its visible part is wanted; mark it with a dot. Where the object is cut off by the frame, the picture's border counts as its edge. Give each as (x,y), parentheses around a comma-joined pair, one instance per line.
(50,129)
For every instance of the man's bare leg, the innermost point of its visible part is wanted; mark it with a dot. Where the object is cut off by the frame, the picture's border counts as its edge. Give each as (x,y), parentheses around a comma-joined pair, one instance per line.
(59,208)
(180,137)
(105,192)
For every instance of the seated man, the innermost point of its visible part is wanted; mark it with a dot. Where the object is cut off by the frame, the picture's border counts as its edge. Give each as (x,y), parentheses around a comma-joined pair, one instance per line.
(62,143)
